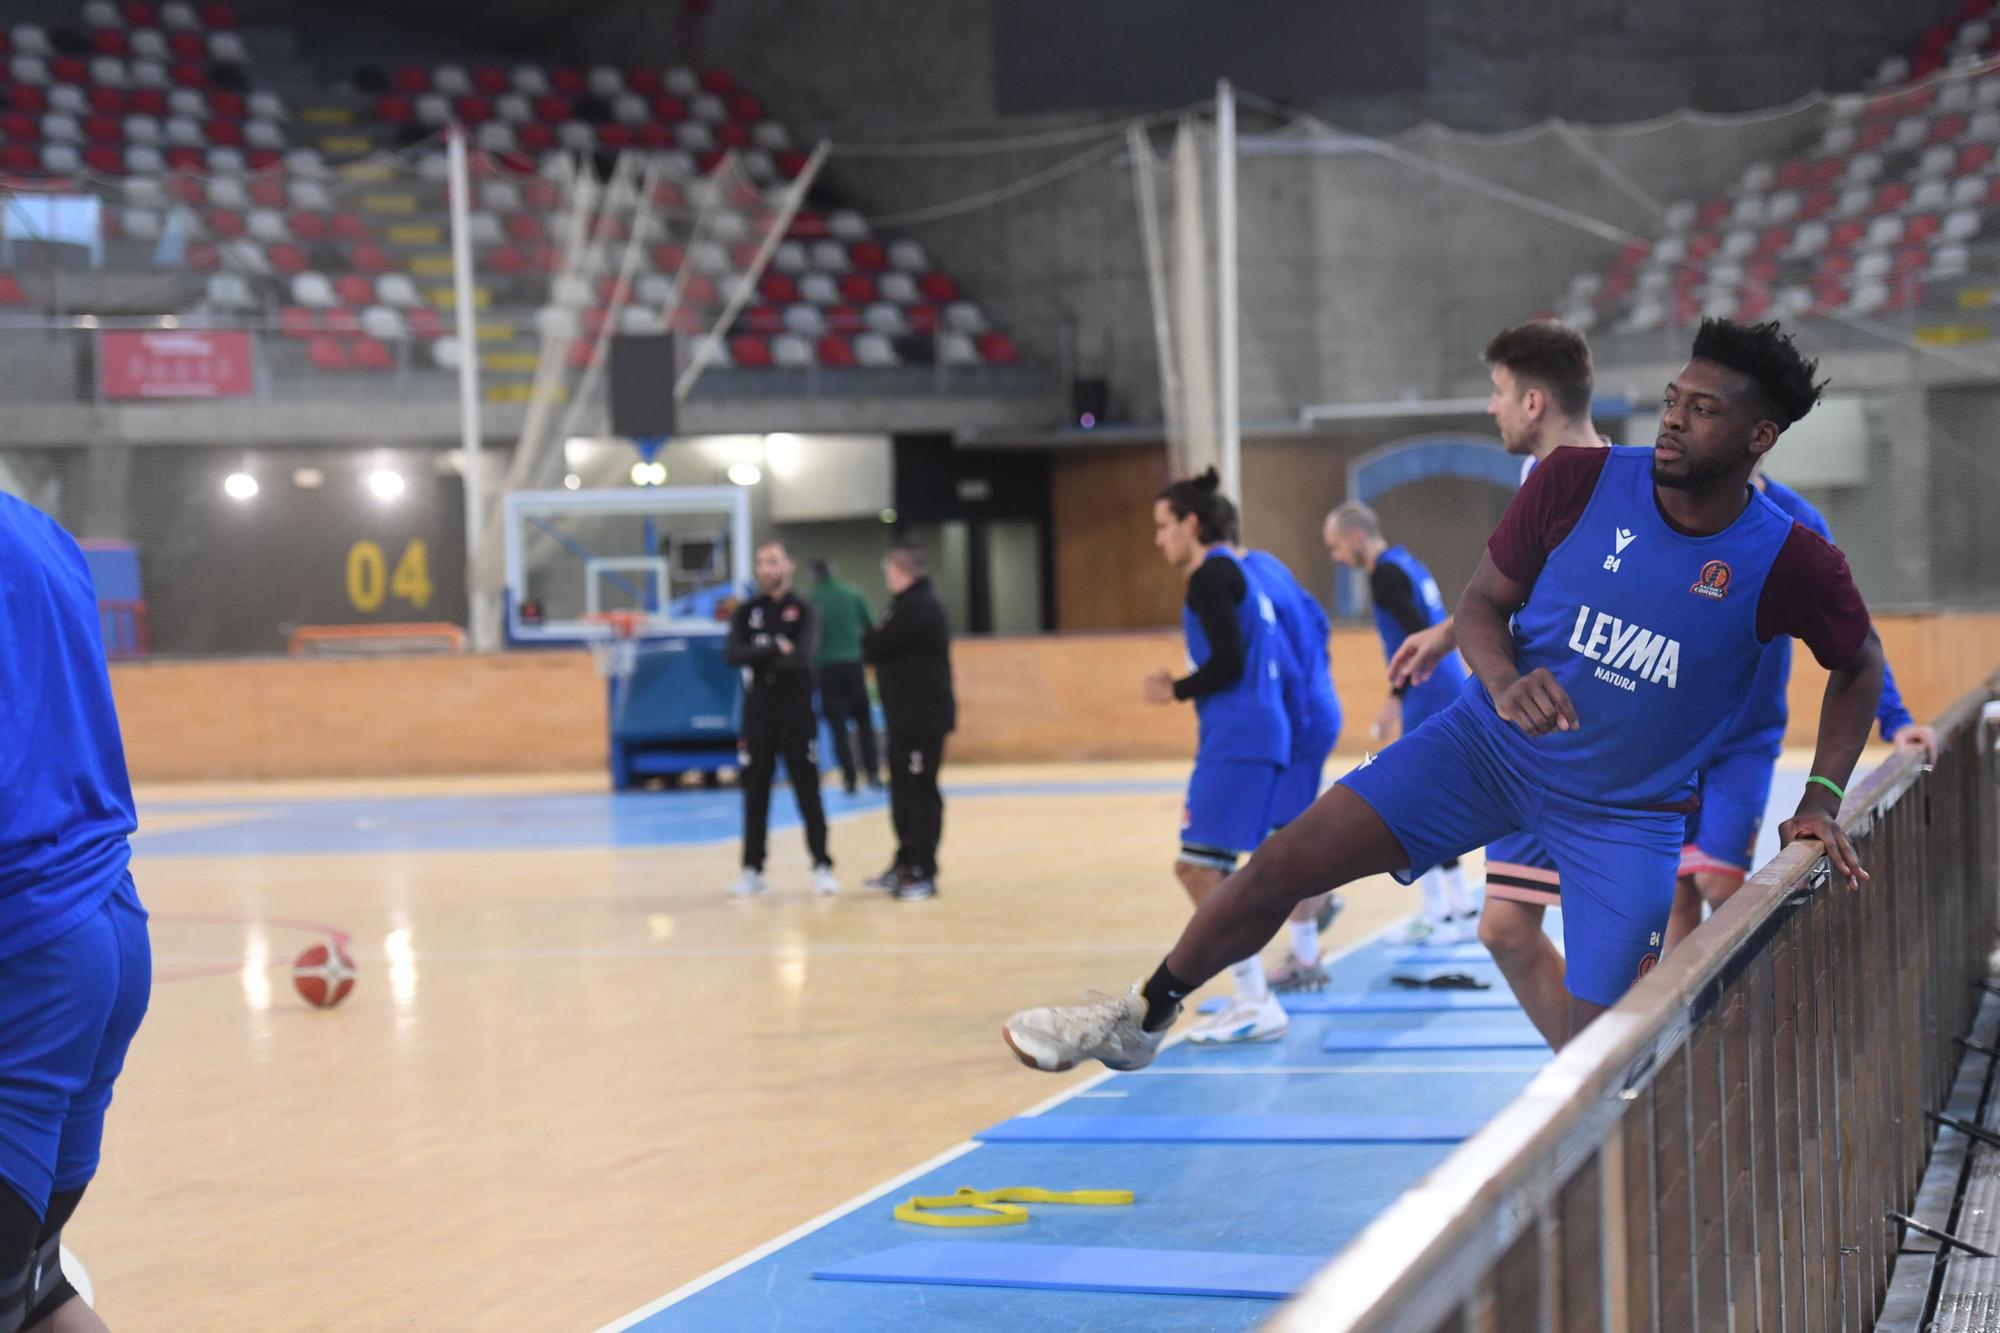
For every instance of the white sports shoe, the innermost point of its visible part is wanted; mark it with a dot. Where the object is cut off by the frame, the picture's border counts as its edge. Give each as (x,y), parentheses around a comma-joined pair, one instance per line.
(1107,1028)
(750,884)
(1243,1021)
(1452,930)
(824,884)
(1426,931)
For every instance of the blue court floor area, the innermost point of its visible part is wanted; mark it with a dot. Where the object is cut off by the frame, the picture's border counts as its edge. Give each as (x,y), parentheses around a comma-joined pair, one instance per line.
(1217,1190)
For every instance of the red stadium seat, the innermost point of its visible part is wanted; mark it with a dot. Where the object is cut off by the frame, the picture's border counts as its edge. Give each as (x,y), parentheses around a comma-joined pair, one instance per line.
(1814,204)
(69,69)
(790,162)
(105,159)
(327,353)
(340,321)
(550,109)
(103,129)
(921,318)
(668,107)
(473,110)
(868,255)
(614,136)
(1712,212)
(287,258)
(653,134)
(424,322)
(226,223)
(372,354)
(642,80)
(1911,258)
(139,14)
(709,160)
(524,227)
(1845,234)
(685,321)
(187,74)
(26,97)
(834,350)
(938,287)
(778,288)
(16,156)
(217,15)
(267,192)
(1922,227)
(843,319)
(141,101)
(1792,175)
(732,135)
(223,102)
(996,349)
(763,319)
(541,193)
(225,133)
(1974,157)
(348,227)
(411,79)
(1756,301)
(393,108)
(490,80)
(567,80)
(750,351)
(10,291)
(858,288)
(698,291)
(1892,196)
(505,259)
(1773,240)
(745,108)
(187,46)
(354,289)
(534,138)
(297,322)
(17,127)
(110,42)
(717,81)
(1946,128)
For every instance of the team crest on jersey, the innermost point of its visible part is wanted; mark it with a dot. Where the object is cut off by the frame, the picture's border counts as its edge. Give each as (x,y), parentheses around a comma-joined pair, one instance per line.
(1714,581)
(1647,963)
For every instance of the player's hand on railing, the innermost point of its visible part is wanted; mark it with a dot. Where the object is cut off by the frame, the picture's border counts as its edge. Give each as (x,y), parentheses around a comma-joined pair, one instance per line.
(1537,704)
(1159,688)
(1818,824)
(1419,655)
(1917,736)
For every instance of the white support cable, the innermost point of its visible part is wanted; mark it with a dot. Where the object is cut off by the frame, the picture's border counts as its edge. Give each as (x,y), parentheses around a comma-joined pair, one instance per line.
(481,612)
(1017,142)
(1606,168)
(705,350)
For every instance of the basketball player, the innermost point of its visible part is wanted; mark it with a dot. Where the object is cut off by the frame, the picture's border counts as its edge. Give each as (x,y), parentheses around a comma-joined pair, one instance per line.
(1406,601)
(772,637)
(75,964)
(1245,737)
(1612,628)
(1313,709)
(1736,783)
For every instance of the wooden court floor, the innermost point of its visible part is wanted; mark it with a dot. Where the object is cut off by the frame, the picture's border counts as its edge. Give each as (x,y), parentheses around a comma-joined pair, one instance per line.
(574,1075)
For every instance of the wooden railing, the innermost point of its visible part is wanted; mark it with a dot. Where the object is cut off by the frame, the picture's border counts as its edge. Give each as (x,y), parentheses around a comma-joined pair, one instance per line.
(1724,1148)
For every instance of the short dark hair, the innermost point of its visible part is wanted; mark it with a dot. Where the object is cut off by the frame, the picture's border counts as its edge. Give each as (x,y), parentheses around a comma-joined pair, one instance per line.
(819,567)
(1765,355)
(911,555)
(1215,513)
(769,542)
(1548,354)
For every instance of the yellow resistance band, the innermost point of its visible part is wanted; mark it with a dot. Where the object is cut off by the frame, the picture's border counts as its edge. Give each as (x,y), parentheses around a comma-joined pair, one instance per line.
(998,1208)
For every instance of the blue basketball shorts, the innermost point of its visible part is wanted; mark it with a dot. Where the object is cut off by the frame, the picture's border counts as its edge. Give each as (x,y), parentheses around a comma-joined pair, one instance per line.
(1447,788)
(1519,869)
(1722,834)
(68,1012)
(1298,783)
(1228,810)
(1423,702)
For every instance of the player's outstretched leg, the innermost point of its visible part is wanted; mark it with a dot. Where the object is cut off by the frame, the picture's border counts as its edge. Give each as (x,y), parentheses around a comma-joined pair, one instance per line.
(1338,840)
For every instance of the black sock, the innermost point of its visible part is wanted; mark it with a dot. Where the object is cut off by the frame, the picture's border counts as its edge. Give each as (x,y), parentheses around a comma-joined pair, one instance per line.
(1163,993)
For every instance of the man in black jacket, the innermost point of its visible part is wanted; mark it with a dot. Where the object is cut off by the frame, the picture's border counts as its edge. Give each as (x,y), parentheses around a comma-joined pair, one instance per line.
(911,653)
(772,637)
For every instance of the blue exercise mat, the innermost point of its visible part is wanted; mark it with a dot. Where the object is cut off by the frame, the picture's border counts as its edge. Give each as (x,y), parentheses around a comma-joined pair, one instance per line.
(1444,1037)
(973,1263)
(1452,953)
(1357,1128)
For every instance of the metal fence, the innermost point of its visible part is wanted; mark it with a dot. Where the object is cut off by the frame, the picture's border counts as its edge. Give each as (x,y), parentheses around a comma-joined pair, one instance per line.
(1725,1148)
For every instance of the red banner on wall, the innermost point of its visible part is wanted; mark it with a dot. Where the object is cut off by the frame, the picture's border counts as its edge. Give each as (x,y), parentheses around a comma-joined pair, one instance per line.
(174,363)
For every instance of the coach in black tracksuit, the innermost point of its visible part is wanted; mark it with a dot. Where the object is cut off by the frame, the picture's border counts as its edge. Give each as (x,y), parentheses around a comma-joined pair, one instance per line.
(773,637)
(911,653)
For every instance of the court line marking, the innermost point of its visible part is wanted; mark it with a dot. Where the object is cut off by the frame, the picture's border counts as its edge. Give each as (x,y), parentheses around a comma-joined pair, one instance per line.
(862,1200)
(1404,1070)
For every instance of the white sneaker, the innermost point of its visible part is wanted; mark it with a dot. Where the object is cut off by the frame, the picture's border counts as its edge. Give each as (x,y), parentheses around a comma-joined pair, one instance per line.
(1243,1021)
(1107,1028)
(824,884)
(1421,930)
(1453,930)
(750,884)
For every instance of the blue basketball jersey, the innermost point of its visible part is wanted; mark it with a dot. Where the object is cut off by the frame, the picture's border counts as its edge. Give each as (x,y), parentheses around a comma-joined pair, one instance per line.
(1652,633)
(1310,700)
(1766,707)
(1448,679)
(68,812)
(1245,719)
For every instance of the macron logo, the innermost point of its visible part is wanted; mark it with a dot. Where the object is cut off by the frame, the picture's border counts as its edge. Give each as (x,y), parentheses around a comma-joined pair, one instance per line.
(1623,539)
(1629,653)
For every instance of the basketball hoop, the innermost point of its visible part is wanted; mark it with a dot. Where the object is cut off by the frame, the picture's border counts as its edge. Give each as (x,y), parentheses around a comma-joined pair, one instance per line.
(616,645)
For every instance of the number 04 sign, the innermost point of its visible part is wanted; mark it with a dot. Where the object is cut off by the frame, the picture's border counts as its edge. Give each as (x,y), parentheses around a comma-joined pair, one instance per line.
(370,584)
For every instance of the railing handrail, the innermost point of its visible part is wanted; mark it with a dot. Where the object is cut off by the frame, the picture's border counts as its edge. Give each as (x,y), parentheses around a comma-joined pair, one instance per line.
(1396,1273)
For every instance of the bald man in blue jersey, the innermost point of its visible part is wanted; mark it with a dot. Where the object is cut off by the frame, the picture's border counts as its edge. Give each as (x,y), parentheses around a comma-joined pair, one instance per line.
(1612,628)
(75,964)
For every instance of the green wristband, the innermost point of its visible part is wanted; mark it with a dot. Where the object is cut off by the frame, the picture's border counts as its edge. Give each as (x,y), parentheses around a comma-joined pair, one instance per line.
(1829,784)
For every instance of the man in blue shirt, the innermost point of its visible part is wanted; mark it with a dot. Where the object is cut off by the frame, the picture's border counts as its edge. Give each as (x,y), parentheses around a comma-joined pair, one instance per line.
(1237,688)
(75,964)
(1736,783)
(1616,621)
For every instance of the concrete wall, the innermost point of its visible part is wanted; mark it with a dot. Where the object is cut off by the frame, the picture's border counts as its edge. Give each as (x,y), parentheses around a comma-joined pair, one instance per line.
(1074,697)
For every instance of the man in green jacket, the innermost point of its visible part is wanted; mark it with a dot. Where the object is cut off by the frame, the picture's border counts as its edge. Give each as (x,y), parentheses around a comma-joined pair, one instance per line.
(843,682)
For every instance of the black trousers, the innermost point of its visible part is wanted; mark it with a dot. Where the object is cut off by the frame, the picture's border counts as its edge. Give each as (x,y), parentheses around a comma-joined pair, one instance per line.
(789,731)
(916,806)
(843,698)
